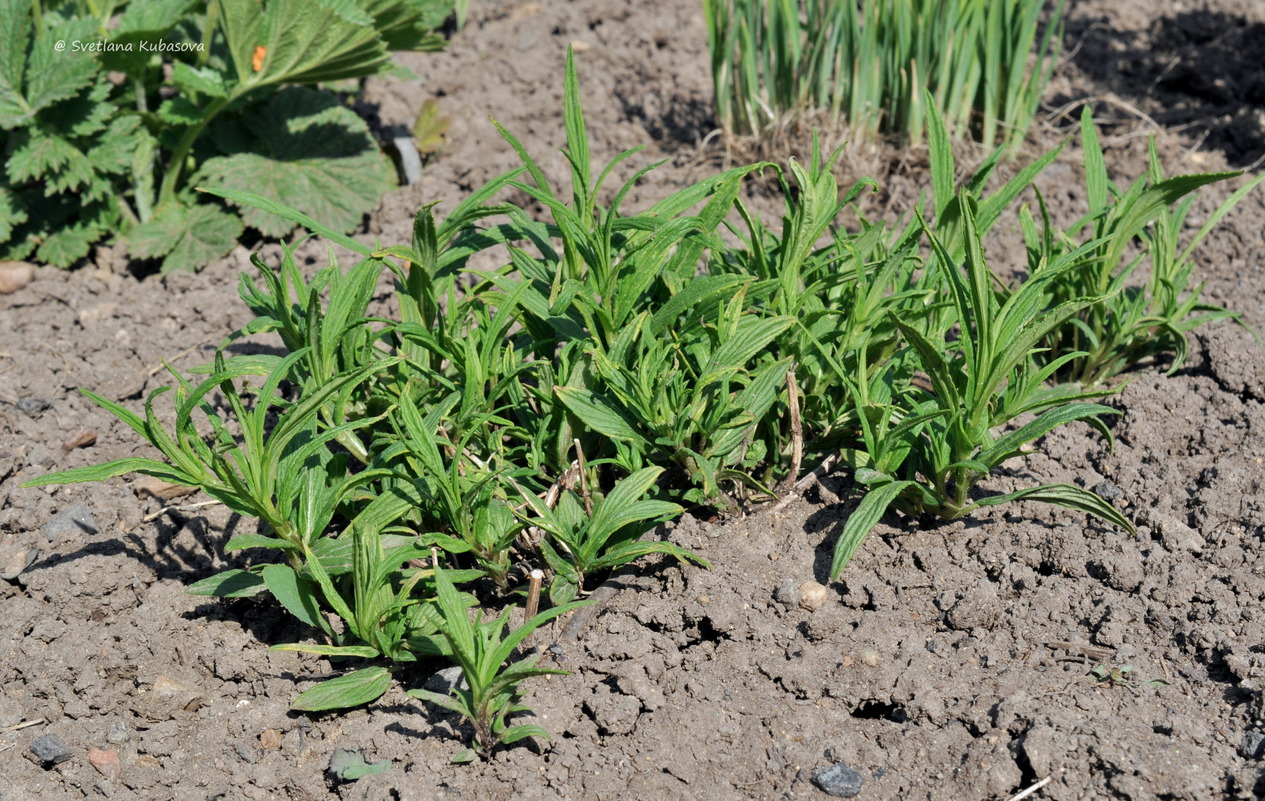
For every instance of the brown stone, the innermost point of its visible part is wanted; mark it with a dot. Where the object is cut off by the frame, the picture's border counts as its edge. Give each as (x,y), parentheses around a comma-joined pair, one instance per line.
(270,739)
(14,275)
(106,761)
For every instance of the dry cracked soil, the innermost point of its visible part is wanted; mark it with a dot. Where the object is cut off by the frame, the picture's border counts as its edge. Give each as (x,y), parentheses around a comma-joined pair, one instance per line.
(966,660)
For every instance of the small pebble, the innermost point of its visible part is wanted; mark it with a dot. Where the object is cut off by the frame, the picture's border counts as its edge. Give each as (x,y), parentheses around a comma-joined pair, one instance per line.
(84,439)
(177,695)
(51,750)
(445,681)
(812,595)
(839,780)
(14,275)
(34,406)
(106,761)
(1107,491)
(150,487)
(1253,745)
(13,563)
(270,739)
(787,594)
(118,734)
(72,522)
(869,657)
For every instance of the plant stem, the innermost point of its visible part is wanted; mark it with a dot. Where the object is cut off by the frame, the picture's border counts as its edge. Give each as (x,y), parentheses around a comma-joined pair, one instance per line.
(176,165)
(208,32)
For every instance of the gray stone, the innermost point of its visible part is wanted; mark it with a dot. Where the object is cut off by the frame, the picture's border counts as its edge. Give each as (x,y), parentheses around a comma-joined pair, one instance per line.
(118,733)
(839,780)
(34,406)
(445,681)
(11,564)
(1107,491)
(73,521)
(51,750)
(787,594)
(1253,745)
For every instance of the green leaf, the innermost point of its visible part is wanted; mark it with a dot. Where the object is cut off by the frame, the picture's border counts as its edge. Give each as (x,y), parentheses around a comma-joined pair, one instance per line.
(353,651)
(189,237)
(350,765)
(861,522)
(68,244)
(430,130)
(314,41)
(119,145)
(229,584)
(82,115)
(147,22)
(179,112)
(515,733)
(242,22)
(49,158)
(410,24)
(15,32)
(353,689)
(704,289)
(243,541)
(205,80)
(297,594)
(51,75)
(101,472)
(1069,497)
(308,153)
(599,414)
(12,213)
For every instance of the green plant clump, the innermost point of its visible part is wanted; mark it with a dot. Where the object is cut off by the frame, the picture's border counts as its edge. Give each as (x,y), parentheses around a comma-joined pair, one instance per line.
(867,66)
(110,113)
(613,370)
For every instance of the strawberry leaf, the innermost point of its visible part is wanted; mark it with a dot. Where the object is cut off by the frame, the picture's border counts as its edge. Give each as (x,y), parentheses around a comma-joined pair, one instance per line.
(308,153)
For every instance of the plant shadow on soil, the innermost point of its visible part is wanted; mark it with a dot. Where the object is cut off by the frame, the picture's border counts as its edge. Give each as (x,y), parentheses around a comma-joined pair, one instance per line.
(1200,71)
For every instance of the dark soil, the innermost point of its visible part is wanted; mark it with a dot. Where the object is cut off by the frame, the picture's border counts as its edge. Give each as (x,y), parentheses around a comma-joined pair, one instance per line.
(951,661)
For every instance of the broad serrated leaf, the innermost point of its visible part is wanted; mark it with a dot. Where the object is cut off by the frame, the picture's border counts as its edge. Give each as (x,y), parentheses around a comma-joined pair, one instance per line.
(353,689)
(12,213)
(15,32)
(242,22)
(119,145)
(82,115)
(206,80)
(308,153)
(68,244)
(179,112)
(142,24)
(314,42)
(42,155)
(189,238)
(409,24)
(51,75)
